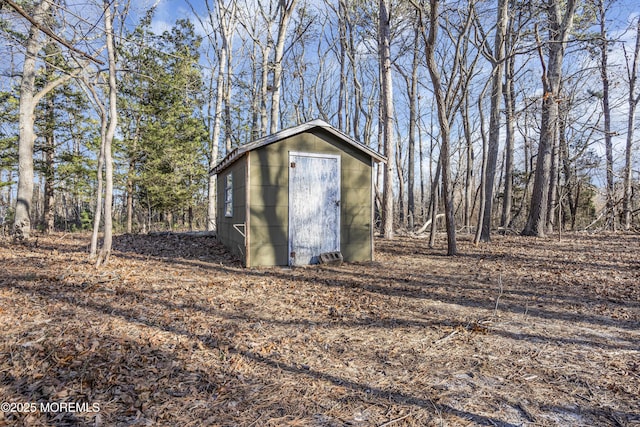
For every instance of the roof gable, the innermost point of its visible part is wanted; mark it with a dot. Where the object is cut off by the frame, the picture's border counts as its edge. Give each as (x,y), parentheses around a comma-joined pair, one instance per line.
(286,133)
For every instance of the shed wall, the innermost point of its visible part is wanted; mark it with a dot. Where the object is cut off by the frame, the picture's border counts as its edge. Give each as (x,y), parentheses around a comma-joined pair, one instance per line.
(226,232)
(268,195)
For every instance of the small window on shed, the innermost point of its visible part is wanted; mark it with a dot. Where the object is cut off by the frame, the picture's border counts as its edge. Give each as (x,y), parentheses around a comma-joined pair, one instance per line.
(228,195)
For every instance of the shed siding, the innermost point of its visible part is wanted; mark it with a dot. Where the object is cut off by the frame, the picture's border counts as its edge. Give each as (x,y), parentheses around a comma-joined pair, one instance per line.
(269,172)
(226,232)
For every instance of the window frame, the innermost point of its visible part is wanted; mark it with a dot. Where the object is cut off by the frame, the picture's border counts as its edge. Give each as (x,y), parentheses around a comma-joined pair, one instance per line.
(228,195)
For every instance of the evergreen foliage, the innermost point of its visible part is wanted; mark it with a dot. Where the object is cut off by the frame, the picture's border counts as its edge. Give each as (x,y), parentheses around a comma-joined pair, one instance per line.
(165,134)
(8,136)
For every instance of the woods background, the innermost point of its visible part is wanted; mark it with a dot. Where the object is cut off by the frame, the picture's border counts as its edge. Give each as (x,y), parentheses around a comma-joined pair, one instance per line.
(498,114)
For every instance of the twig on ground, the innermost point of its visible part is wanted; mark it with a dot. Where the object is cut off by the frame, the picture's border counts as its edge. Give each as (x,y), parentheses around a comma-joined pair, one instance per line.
(395,420)
(61,237)
(495,310)
(443,339)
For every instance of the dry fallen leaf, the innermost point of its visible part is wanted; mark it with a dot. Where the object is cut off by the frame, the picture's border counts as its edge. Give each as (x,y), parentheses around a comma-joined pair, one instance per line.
(173,332)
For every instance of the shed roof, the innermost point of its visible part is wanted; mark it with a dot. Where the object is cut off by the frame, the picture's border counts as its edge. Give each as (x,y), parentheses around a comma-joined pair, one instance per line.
(286,133)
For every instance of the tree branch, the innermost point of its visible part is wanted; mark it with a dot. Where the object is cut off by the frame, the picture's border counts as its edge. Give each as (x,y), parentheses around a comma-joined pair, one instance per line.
(53,84)
(50,33)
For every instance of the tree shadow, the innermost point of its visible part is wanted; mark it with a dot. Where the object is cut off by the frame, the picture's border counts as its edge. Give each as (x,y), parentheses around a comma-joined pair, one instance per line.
(543,300)
(107,378)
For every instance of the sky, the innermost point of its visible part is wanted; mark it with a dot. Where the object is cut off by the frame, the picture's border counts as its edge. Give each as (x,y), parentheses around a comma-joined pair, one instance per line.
(170,10)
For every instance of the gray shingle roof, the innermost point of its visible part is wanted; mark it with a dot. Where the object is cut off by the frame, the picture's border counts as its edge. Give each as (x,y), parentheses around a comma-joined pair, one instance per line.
(286,133)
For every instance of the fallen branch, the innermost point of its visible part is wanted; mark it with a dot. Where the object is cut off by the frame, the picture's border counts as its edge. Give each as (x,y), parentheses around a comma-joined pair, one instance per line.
(427,224)
(395,420)
(443,339)
(495,309)
(596,220)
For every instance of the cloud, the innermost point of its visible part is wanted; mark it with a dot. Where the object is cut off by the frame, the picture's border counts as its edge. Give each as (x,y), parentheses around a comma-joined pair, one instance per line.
(169,11)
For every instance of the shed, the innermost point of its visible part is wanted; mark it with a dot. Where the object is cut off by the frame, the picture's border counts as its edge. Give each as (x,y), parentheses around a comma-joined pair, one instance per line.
(287,198)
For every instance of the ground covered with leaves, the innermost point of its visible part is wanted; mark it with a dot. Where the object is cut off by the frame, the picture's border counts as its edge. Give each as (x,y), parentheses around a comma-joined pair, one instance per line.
(173,331)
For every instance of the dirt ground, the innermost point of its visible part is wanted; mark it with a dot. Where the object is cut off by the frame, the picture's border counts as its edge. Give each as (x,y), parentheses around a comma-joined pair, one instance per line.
(519,332)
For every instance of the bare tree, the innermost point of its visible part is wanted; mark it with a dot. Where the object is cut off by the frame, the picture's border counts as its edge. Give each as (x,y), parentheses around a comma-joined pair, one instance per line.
(222,19)
(483,169)
(509,94)
(604,45)
(258,27)
(469,179)
(285,8)
(560,23)
(29,98)
(97,217)
(412,92)
(343,28)
(497,58)
(48,208)
(443,120)
(105,251)
(39,17)
(321,90)
(634,98)
(387,113)
(356,96)
(297,102)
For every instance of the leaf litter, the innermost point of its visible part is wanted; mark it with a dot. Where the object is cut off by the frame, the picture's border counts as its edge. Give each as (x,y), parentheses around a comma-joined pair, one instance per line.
(173,331)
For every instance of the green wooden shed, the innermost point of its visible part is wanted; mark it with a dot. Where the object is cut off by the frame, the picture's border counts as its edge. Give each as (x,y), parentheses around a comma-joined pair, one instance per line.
(304,191)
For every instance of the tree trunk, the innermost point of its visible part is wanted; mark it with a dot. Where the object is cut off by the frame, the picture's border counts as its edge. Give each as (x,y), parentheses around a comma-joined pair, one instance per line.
(105,251)
(130,189)
(402,206)
(435,202)
(48,216)
(469,178)
(264,89)
(413,118)
(494,118)
(28,102)
(228,126)
(559,27)
(444,128)
(255,98)
(537,220)
(422,180)
(565,165)
(97,215)
(215,138)
(510,110)
(387,119)
(483,170)
(357,90)
(342,91)
(286,10)
(553,181)
(633,103)
(606,110)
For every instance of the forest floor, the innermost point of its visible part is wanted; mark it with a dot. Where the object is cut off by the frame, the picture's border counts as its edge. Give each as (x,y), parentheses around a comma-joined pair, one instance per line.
(173,331)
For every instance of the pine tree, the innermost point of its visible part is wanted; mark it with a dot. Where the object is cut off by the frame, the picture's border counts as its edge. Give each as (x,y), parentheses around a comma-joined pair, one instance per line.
(172,138)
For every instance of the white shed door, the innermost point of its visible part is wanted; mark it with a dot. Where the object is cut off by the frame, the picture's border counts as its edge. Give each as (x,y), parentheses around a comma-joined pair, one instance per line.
(314,206)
